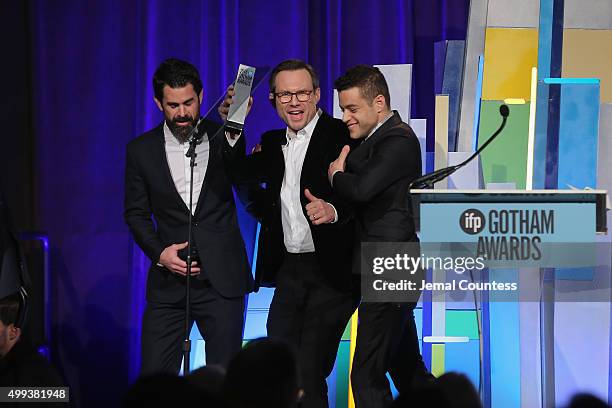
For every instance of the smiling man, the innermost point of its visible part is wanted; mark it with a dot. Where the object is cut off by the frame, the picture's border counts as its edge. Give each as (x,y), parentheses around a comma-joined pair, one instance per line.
(375,177)
(306,239)
(157,184)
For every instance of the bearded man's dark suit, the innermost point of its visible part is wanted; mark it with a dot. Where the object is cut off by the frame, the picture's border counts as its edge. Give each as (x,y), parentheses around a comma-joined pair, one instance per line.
(315,292)
(376,179)
(158,217)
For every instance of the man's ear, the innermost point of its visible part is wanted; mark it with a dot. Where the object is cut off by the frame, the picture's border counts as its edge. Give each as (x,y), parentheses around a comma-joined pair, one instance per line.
(13,332)
(201,95)
(380,103)
(159,104)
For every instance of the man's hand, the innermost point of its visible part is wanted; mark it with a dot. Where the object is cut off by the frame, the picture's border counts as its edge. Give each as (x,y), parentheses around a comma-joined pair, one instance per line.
(338,164)
(224,108)
(169,258)
(319,211)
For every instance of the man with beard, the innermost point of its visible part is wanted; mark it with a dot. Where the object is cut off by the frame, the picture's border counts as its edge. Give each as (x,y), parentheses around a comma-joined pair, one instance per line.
(157,184)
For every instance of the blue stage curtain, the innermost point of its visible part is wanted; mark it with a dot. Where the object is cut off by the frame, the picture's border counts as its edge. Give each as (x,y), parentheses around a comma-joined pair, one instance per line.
(92,63)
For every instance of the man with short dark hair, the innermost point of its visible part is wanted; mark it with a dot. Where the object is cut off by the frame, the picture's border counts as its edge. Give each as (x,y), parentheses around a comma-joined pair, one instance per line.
(376,177)
(305,245)
(20,363)
(157,191)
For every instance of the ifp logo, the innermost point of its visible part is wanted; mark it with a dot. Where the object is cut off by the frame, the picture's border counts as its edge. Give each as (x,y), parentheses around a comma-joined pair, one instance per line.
(472,221)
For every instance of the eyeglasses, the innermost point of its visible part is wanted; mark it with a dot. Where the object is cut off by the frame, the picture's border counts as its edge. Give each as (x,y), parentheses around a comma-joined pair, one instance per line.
(286,97)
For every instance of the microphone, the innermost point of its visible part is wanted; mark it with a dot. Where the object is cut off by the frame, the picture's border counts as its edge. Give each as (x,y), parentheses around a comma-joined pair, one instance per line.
(195,135)
(428,180)
(194,139)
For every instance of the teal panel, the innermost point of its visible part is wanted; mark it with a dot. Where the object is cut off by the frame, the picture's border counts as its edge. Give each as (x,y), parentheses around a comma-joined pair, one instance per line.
(462,323)
(578,135)
(505,351)
(418,319)
(261,299)
(255,324)
(341,375)
(546,66)
(464,358)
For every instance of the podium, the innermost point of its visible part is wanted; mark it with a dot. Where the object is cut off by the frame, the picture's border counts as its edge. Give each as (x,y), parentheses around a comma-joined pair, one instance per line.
(535,344)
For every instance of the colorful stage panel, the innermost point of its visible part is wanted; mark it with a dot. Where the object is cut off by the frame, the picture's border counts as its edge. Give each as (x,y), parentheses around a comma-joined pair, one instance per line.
(464,358)
(449,56)
(593,14)
(578,135)
(504,160)
(604,164)
(516,13)
(588,54)
(508,57)
(475,40)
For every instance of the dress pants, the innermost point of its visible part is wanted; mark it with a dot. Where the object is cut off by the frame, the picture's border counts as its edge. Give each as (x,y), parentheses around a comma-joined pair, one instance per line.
(386,342)
(311,315)
(219,319)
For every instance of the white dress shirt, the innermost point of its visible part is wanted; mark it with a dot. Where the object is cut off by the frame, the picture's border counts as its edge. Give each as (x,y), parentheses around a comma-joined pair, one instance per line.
(179,165)
(296,228)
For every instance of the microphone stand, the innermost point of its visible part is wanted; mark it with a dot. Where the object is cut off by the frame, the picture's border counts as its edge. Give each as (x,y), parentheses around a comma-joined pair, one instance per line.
(194,138)
(428,180)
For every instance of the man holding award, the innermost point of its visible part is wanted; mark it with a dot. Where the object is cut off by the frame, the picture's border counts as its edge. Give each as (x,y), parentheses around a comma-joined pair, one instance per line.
(157,202)
(306,239)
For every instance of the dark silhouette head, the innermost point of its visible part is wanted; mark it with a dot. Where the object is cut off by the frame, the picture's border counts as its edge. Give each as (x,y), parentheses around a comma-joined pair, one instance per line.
(161,390)
(458,390)
(586,401)
(262,375)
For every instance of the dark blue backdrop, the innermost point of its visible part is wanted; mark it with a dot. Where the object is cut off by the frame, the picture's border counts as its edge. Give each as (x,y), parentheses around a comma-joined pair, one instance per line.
(92,63)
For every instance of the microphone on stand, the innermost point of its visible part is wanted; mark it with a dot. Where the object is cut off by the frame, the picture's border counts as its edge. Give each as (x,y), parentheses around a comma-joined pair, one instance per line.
(194,138)
(195,132)
(428,180)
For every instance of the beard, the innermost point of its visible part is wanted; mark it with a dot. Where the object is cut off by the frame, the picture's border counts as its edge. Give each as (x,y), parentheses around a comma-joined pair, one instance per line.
(181,132)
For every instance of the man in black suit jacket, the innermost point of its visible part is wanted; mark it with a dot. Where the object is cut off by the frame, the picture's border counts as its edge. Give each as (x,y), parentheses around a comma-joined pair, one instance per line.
(156,210)
(376,179)
(305,244)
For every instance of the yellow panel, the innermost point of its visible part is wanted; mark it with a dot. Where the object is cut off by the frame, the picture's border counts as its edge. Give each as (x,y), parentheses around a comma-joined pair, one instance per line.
(508,57)
(437,359)
(514,101)
(354,323)
(588,54)
(441,129)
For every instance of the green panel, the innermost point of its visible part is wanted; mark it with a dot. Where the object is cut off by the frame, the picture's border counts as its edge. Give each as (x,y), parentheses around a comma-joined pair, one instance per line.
(347,331)
(462,323)
(505,159)
(342,374)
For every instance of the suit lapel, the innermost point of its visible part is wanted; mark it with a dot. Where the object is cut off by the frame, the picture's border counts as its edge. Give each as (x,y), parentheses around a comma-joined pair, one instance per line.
(364,150)
(214,155)
(163,158)
(278,161)
(315,149)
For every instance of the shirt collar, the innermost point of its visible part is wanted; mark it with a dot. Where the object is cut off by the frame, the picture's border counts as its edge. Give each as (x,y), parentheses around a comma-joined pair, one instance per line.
(380,124)
(169,137)
(307,130)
